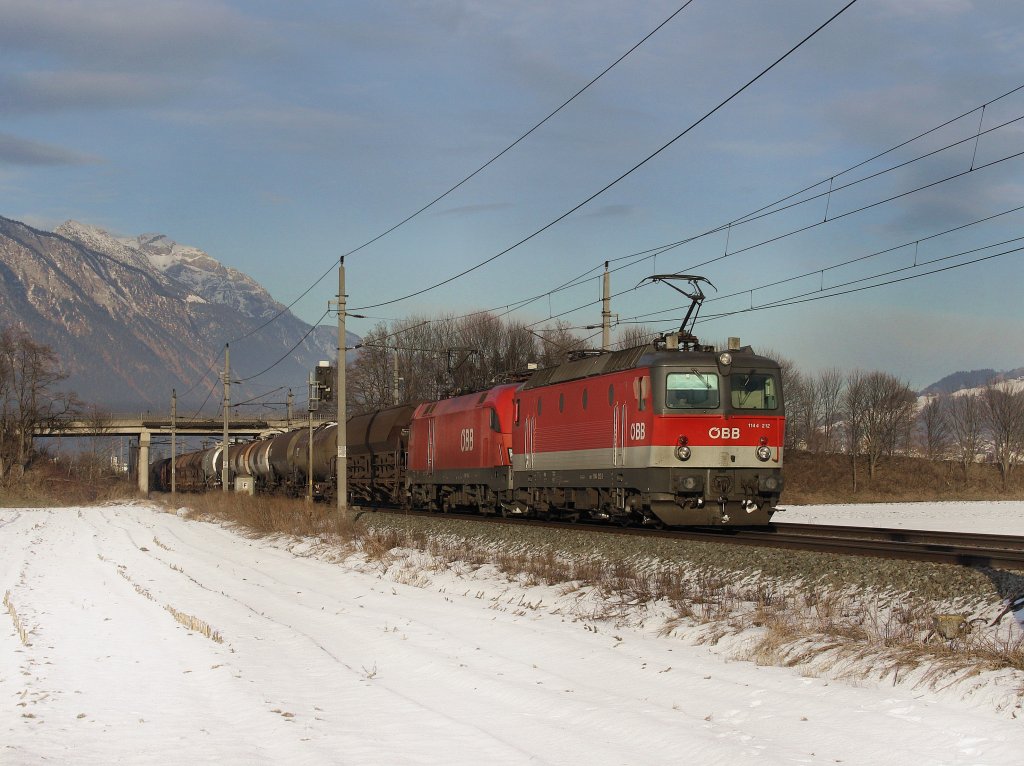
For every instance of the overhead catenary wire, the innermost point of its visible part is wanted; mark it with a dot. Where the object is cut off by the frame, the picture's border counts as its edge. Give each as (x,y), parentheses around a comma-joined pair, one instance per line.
(771,209)
(622,176)
(809,297)
(776,206)
(661,249)
(916,240)
(438,198)
(301,340)
(476,172)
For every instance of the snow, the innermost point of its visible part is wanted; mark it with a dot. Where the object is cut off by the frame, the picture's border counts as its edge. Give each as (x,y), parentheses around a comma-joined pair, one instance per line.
(327,657)
(989,517)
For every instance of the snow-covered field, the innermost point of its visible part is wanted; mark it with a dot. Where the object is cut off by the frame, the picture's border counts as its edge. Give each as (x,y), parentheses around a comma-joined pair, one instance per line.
(324,659)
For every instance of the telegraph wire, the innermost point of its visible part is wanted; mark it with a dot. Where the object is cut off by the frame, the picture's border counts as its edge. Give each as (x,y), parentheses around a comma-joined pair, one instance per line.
(633,169)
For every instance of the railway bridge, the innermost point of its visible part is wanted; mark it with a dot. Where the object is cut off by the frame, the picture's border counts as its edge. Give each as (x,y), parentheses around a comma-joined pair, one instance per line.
(145,427)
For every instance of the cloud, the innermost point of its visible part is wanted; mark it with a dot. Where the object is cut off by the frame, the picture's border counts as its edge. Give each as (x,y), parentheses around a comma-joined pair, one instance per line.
(72,54)
(111,34)
(20,151)
(52,91)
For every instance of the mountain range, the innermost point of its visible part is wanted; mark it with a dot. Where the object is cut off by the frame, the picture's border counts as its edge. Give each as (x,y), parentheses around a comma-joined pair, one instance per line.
(131,318)
(959,381)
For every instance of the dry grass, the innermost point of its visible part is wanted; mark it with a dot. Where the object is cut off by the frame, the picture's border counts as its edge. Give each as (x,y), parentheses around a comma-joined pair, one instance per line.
(195,624)
(812,478)
(264,515)
(46,486)
(19,626)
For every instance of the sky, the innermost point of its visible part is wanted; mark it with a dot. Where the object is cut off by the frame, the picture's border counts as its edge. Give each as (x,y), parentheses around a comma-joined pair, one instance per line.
(280,136)
(131,635)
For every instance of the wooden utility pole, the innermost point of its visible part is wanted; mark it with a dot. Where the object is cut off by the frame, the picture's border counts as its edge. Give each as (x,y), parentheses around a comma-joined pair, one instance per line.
(227,407)
(341,465)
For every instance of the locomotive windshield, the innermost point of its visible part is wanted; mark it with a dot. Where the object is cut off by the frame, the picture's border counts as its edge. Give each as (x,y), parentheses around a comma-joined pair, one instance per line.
(691,390)
(753,391)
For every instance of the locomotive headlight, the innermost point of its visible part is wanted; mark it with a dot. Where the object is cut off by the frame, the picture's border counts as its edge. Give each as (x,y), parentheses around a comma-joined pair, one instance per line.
(764,454)
(689,483)
(725,359)
(682,452)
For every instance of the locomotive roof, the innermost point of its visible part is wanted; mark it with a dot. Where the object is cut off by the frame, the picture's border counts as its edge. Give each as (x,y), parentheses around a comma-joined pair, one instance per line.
(639,356)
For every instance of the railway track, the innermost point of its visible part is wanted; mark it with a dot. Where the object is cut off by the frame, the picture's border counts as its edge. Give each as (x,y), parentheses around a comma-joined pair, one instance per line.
(960,549)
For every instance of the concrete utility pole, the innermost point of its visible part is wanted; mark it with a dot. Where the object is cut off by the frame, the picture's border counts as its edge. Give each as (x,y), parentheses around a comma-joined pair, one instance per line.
(341,466)
(606,311)
(394,379)
(312,404)
(174,443)
(227,406)
(144,439)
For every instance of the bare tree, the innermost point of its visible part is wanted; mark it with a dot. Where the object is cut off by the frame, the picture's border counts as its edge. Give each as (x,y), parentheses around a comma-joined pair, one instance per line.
(520,346)
(369,378)
(29,371)
(830,389)
(854,407)
(440,356)
(799,408)
(889,409)
(933,422)
(557,340)
(1004,416)
(635,335)
(966,420)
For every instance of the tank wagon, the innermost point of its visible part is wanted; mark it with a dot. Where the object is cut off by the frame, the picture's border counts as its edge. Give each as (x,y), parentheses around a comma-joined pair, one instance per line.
(377,448)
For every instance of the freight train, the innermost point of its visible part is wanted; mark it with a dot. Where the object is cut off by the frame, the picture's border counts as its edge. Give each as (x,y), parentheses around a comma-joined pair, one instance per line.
(670,433)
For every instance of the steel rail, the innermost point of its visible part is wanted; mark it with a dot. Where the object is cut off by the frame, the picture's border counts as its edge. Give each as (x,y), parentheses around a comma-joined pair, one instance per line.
(958,549)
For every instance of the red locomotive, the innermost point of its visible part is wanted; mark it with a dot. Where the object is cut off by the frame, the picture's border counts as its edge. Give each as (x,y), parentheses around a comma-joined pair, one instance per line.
(460,451)
(680,436)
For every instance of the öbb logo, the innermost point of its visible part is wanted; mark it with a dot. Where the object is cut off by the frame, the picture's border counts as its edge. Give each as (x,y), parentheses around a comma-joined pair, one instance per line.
(467,440)
(723,434)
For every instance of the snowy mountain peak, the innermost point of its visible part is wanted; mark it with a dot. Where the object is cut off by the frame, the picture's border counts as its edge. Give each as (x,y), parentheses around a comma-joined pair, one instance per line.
(102,241)
(204,277)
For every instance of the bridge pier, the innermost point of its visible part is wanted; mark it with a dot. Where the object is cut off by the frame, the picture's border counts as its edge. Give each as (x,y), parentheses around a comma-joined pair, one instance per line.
(144,438)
